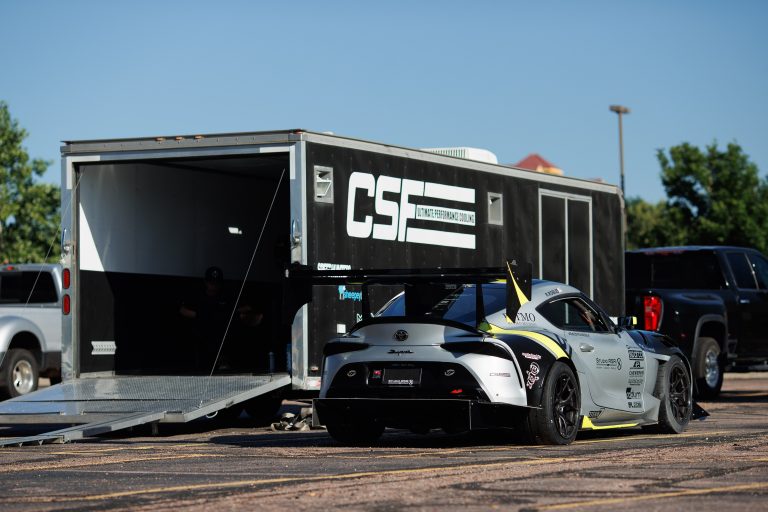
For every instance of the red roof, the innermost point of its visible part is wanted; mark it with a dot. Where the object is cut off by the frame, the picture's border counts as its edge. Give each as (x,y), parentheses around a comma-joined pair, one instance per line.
(534,161)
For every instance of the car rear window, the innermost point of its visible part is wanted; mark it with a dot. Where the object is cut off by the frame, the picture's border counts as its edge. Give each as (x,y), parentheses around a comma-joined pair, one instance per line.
(27,287)
(691,270)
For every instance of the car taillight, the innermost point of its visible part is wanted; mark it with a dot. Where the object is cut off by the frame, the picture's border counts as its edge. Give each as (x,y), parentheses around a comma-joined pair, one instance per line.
(651,312)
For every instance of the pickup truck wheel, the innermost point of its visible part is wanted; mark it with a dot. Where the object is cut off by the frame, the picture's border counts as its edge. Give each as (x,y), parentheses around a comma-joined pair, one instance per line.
(19,374)
(708,368)
(673,385)
(558,419)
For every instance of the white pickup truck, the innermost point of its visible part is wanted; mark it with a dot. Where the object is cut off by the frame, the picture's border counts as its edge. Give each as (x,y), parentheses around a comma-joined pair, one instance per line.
(30,326)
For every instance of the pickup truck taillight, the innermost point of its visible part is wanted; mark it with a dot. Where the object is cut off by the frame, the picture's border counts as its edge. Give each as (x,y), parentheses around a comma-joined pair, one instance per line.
(651,312)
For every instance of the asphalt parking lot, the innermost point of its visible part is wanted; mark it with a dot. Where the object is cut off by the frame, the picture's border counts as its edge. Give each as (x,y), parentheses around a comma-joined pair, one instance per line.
(720,463)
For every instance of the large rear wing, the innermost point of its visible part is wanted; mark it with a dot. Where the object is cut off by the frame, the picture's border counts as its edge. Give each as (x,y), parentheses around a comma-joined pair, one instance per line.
(420,283)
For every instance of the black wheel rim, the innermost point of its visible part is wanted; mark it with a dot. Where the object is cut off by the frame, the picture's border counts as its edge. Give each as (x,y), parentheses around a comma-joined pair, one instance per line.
(680,394)
(566,406)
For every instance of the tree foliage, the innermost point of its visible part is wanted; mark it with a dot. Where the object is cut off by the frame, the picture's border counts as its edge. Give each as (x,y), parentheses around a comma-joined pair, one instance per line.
(29,211)
(713,197)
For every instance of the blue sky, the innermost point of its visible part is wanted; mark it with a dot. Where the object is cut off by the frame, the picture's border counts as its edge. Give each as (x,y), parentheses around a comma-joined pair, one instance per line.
(514,77)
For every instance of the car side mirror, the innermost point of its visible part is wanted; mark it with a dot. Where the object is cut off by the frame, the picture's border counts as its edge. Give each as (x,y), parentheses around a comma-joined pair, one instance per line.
(627,322)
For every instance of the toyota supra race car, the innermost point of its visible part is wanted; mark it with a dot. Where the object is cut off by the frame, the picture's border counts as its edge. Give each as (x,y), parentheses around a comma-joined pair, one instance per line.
(497,350)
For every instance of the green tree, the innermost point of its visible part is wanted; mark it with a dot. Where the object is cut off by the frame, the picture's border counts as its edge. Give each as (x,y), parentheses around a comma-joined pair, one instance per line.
(29,211)
(716,196)
(653,225)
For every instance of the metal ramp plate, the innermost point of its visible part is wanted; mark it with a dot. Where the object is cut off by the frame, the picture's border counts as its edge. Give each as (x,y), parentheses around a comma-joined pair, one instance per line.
(106,404)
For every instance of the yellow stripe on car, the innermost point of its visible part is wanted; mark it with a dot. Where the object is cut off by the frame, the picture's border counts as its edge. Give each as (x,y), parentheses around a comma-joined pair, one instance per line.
(587,424)
(539,338)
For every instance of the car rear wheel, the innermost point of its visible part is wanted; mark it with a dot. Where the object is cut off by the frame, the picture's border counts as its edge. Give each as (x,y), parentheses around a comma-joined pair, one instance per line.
(356,434)
(20,373)
(673,385)
(557,421)
(708,368)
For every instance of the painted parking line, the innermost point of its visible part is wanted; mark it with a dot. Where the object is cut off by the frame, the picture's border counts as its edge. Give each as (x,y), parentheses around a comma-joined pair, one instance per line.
(292,479)
(654,496)
(58,465)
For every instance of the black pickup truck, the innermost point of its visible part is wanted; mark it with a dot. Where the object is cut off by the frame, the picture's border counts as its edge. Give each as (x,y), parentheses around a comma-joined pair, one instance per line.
(712,299)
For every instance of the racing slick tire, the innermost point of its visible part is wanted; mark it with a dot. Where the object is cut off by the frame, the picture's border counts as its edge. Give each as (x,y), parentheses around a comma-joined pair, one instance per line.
(360,433)
(19,373)
(673,388)
(558,419)
(708,369)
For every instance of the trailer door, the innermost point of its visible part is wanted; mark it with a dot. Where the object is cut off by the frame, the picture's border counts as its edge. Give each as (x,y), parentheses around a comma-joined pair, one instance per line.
(565,239)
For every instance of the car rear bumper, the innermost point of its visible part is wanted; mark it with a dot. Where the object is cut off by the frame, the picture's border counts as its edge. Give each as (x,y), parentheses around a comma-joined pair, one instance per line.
(417,414)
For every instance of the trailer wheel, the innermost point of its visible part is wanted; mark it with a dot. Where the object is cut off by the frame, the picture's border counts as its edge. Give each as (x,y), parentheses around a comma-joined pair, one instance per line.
(263,409)
(360,433)
(558,419)
(708,368)
(19,373)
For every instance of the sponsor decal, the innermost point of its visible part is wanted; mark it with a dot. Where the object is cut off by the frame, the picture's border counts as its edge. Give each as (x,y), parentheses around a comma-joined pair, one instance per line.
(333,266)
(594,414)
(635,405)
(611,363)
(552,292)
(632,394)
(500,374)
(637,365)
(534,357)
(636,381)
(400,210)
(345,294)
(636,373)
(532,375)
(635,354)
(525,317)
(582,334)
(399,352)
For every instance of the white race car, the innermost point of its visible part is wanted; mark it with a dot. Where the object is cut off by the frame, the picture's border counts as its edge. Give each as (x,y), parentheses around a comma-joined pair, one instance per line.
(536,356)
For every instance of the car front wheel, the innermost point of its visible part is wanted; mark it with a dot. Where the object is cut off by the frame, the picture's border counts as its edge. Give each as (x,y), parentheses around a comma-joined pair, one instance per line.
(673,385)
(557,421)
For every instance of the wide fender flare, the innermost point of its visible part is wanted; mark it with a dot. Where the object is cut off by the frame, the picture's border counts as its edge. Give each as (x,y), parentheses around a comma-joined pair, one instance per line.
(11,325)
(536,353)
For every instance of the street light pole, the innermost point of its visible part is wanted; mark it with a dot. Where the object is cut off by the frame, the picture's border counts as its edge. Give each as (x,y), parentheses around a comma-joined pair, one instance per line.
(620,110)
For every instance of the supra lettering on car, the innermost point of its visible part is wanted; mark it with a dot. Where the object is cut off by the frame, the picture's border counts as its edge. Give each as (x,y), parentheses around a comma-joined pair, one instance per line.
(399,212)
(532,375)
(399,352)
(611,363)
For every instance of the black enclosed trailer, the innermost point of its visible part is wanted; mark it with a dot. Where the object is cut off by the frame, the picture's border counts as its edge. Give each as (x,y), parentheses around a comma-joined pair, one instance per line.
(143,219)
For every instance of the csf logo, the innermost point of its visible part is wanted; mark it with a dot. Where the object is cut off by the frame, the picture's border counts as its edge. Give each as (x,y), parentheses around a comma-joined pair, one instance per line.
(399,210)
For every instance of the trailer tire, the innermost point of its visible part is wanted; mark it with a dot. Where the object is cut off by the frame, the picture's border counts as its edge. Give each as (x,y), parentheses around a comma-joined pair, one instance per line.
(263,409)
(19,374)
(708,368)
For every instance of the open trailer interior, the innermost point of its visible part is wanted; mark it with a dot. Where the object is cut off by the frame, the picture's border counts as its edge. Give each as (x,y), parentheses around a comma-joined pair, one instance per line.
(148,231)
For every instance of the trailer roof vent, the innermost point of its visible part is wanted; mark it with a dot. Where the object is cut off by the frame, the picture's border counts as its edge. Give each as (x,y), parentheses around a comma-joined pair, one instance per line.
(481,155)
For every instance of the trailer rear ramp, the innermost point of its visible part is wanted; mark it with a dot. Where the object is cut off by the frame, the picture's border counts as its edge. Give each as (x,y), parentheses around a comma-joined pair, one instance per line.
(108,404)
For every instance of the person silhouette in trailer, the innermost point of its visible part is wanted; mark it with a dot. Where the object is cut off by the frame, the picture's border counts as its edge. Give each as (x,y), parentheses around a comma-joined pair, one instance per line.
(210,311)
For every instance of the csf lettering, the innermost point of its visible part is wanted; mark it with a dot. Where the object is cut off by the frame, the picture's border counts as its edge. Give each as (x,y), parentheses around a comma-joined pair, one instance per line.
(363,184)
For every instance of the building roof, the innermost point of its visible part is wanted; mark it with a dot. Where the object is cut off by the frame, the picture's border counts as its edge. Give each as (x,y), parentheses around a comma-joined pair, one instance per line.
(536,162)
